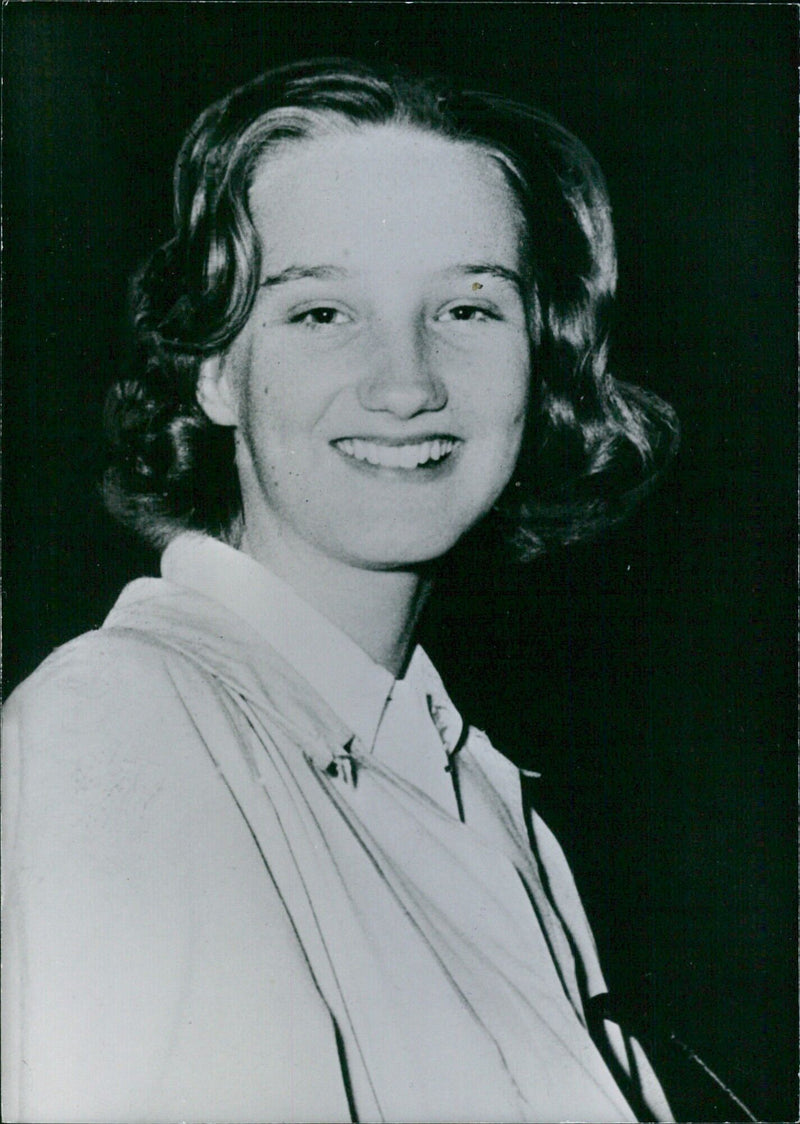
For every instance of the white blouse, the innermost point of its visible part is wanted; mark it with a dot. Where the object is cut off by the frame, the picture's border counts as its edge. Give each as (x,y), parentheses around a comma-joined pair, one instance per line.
(249,877)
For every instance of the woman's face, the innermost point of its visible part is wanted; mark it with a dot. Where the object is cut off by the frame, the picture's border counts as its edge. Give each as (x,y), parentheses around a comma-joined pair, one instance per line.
(380,384)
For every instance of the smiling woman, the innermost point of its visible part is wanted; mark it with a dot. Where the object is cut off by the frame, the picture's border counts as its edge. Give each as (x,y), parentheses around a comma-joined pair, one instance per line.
(255,855)
(367,344)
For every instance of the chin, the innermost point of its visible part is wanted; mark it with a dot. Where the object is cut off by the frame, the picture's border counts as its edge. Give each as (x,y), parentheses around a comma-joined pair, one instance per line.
(407,553)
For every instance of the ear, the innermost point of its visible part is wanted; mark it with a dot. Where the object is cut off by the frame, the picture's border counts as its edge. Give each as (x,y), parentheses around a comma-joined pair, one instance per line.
(215,394)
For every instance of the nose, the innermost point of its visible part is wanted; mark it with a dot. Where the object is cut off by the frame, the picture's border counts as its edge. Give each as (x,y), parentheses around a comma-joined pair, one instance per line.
(402,375)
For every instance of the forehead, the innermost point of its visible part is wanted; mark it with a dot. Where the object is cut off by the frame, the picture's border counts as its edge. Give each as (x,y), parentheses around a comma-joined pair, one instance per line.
(383,190)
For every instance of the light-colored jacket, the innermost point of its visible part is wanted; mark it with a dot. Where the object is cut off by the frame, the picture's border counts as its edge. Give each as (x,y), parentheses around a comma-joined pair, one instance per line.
(218,908)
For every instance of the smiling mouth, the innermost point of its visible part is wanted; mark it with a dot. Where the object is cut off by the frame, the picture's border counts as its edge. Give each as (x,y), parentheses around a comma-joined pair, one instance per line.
(407,456)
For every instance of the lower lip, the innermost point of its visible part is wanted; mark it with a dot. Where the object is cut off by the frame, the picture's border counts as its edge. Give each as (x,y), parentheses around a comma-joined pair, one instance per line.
(431,470)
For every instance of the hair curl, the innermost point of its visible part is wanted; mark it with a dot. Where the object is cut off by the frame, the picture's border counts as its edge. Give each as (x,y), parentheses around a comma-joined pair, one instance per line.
(593,445)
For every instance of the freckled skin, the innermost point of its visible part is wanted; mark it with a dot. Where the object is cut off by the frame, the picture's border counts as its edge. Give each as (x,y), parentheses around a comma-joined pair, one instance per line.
(390,340)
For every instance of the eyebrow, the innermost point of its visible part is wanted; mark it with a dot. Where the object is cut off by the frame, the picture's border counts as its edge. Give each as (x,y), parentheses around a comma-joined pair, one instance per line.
(300,272)
(492,270)
(335,272)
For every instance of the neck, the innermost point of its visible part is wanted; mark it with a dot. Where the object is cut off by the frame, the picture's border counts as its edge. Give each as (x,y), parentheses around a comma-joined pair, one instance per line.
(379,609)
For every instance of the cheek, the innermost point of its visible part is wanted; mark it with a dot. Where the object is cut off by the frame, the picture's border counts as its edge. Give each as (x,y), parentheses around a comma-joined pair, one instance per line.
(501,400)
(270,404)
(504,413)
(285,390)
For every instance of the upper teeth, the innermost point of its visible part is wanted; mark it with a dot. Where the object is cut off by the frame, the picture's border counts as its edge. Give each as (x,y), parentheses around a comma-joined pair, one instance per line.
(397,456)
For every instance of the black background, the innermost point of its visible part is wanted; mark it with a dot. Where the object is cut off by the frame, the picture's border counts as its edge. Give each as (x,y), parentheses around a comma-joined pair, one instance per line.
(650,678)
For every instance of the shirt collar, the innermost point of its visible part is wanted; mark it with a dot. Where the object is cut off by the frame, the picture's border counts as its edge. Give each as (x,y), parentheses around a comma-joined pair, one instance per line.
(350,682)
(422,677)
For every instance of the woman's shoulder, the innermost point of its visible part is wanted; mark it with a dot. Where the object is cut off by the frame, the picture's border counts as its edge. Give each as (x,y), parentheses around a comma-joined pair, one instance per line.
(97,657)
(105,674)
(97,739)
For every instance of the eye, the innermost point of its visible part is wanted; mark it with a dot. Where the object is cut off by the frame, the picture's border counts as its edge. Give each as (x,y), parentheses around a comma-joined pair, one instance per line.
(468,313)
(319,316)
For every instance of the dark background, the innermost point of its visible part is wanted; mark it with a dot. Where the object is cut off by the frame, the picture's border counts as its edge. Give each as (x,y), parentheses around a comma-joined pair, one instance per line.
(650,678)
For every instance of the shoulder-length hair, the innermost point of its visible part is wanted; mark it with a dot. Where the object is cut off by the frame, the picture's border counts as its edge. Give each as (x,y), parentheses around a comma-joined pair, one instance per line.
(593,445)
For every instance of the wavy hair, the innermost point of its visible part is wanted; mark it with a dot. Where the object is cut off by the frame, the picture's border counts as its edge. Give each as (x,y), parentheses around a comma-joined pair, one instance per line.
(593,445)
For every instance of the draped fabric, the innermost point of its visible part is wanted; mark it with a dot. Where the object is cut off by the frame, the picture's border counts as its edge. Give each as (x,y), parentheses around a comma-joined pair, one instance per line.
(448,953)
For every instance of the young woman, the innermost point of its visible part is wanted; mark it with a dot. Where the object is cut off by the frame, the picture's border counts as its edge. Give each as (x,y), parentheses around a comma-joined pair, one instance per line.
(258,867)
